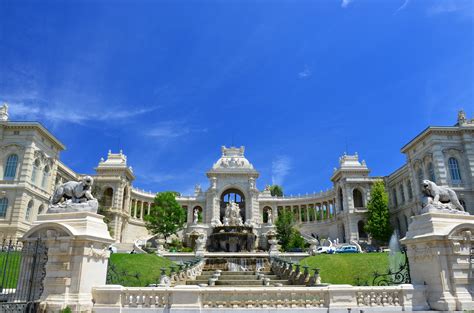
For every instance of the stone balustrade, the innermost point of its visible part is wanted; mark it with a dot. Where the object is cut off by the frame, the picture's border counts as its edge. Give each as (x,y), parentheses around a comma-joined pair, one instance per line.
(111,298)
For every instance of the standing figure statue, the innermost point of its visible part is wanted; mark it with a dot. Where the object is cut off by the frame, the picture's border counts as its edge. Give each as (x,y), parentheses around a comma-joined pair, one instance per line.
(270,217)
(196,216)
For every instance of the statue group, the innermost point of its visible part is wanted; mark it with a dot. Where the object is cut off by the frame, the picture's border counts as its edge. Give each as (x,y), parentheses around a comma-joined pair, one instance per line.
(232,215)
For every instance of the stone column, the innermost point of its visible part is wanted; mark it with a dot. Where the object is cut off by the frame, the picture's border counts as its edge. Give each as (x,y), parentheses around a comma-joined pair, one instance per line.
(78,254)
(141,210)
(438,247)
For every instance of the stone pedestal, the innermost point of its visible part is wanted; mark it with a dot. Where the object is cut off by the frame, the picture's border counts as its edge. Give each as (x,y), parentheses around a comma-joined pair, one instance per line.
(77,244)
(438,247)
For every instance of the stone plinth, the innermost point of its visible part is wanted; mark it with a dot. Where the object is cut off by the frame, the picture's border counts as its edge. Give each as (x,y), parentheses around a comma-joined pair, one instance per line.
(78,253)
(438,247)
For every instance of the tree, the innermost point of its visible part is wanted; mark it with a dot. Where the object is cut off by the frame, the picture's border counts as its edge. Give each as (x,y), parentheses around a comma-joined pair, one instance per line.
(378,222)
(166,216)
(284,225)
(276,190)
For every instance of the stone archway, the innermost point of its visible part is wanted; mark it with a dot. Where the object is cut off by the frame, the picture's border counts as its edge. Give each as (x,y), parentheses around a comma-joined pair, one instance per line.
(232,194)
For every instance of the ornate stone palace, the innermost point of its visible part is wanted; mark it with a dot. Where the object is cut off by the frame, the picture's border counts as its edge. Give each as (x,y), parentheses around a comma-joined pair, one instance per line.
(30,169)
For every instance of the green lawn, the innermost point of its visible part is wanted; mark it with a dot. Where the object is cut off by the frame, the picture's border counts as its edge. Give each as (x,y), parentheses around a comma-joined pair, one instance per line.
(136,270)
(348,268)
(10,269)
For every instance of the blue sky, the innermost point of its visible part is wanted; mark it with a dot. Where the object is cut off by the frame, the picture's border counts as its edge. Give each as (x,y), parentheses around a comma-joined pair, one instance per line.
(296,82)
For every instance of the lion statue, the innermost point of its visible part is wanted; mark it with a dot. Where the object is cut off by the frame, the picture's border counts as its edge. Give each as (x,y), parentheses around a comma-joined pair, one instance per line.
(439,194)
(75,191)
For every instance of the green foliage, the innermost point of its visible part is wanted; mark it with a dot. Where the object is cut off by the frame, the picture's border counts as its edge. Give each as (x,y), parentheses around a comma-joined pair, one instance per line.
(175,245)
(166,216)
(66,310)
(284,225)
(296,240)
(348,268)
(276,190)
(378,222)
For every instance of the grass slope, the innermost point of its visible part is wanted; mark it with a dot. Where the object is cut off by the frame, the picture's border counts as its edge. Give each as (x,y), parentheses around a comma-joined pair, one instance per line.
(345,268)
(137,270)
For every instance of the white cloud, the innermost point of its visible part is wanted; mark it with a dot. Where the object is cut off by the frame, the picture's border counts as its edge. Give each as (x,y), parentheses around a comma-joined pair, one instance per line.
(345,3)
(403,6)
(451,6)
(40,110)
(306,73)
(171,129)
(281,166)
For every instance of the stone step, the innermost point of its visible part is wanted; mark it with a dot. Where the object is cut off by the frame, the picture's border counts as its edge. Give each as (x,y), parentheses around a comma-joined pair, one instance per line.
(248,282)
(236,277)
(206,272)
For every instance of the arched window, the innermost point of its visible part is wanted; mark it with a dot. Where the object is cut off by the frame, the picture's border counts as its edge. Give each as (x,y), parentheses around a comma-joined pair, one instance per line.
(361,230)
(124,199)
(107,197)
(266,212)
(402,193)
(410,191)
(358,200)
(36,166)
(44,181)
(3,207)
(341,199)
(28,210)
(10,167)
(431,172)
(454,170)
(420,176)
(41,209)
(406,222)
(399,226)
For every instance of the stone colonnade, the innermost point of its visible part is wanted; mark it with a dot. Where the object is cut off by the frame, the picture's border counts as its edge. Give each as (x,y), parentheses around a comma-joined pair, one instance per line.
(311,212)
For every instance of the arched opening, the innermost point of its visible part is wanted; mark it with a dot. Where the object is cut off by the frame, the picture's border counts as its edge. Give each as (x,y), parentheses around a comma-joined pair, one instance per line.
(232,195)
(303,214)
(358,199)
(133,207)
(28,210)
(3,207)
(10,167)
(266,213)
(343,233)
(340,199)
(107,197)
(41,209)
(199,212)
(361,230)
(463,203)
(431,172)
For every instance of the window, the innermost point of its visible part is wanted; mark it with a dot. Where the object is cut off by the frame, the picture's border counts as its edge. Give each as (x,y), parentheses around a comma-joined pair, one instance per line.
(44,180)
(28,210)
(41,209)
(420,176)
(431,172)
(402,194)
(410,191)
(107,197)
(463,204)
(394,195)
(341,200)
(454,170)
(3,207)
(36,166)
(10,167)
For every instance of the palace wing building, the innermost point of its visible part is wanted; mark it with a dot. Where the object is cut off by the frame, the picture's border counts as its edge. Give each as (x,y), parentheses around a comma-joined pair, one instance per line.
(30,169)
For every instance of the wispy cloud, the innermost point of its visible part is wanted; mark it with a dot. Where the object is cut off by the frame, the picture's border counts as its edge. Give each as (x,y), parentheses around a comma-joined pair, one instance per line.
(281,166)
(452,6)
(305,73)
(345,3)
(172,129)
(402,7)
(38,109)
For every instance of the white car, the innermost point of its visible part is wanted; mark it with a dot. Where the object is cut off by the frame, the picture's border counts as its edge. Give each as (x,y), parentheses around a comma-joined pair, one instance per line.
(323,249)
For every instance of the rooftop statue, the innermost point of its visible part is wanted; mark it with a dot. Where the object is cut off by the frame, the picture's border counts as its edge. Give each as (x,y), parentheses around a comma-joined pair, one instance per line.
(74,196)
(439,198)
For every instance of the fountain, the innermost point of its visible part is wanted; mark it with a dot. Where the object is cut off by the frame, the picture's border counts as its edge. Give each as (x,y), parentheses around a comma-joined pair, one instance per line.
(232,235)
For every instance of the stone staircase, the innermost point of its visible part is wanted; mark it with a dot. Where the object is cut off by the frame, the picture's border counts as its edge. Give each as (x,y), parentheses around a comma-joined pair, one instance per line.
(239,279)
(123,247)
